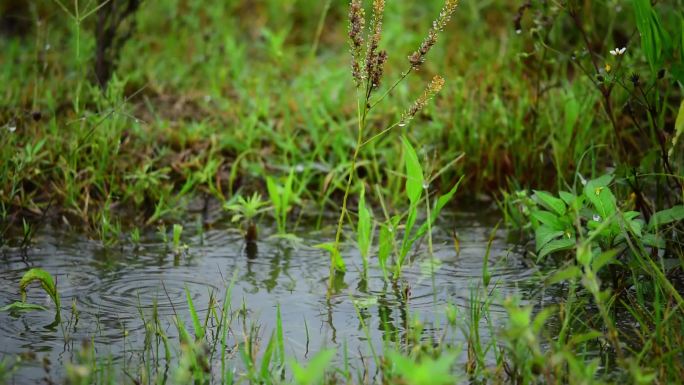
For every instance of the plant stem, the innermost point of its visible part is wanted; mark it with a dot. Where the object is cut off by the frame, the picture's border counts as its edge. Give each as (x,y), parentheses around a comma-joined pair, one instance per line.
(359,142)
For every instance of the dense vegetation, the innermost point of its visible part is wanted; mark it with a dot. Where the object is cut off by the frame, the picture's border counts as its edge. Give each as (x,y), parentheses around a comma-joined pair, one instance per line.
(123,115)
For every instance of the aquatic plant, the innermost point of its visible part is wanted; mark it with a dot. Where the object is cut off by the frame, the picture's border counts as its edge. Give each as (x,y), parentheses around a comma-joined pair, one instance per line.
(367,70)
(281,197)
(246,211)
(48,285)
(178,247)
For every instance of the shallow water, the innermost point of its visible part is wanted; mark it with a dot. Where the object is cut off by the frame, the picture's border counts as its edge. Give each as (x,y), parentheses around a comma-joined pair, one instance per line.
(109,286)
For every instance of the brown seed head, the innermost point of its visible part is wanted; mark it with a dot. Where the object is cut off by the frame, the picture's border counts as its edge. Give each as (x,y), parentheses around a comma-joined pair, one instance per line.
(432,89)
(374,59)
(357,21)
(418,57)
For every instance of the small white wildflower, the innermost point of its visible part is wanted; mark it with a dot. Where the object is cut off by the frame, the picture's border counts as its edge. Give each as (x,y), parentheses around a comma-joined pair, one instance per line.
(426,185)
(618,51)
(597,218)
(11,128)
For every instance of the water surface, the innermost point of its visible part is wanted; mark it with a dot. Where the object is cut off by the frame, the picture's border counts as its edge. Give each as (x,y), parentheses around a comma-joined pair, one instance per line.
(110,286)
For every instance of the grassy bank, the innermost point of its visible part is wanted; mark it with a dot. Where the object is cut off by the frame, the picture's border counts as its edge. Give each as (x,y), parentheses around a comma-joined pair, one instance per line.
(226,94)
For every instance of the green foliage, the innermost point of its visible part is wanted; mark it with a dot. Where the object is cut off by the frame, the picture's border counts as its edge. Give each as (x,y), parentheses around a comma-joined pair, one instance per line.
(196,324)
(314,372)
(336,261)
(282,197)
(364,230)
(427,371)
(559,223)
(655,41)
(46,282)
(177,232)
(246,209)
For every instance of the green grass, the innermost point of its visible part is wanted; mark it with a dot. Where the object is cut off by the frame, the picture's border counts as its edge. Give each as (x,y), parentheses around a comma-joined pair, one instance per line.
(221,100)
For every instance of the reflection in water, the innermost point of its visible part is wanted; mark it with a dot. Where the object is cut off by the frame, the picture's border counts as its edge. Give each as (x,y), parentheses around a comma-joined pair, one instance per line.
(113,287)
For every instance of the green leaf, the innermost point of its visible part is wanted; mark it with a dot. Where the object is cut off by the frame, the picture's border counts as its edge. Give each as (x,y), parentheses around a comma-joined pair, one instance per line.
(364,229)
(408,240)
(569,273)
(567,197)
(550,202)
(19,306)
(653,240)
(386,243)
(663,217)
(549,219)
(46,282)
(266,358)
(580,339)
(544,235)
(335,257)
(679,122)
(439,205)
(556,246)
(315,371)
(196,324)
(604,259)
(600,196)
(427,371)
(654,39)
(414,173)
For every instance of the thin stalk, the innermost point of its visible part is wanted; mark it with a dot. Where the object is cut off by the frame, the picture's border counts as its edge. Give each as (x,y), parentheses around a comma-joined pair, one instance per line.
(359,140)
(403,76)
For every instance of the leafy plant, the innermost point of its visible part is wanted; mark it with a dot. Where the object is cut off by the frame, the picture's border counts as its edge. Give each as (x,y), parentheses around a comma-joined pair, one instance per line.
(46,282)
(178,247)
(559,223)
(282,197)
(246,210)
(367,72)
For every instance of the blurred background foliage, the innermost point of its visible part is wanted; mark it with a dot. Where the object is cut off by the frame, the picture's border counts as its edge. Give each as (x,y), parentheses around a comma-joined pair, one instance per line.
(207,97)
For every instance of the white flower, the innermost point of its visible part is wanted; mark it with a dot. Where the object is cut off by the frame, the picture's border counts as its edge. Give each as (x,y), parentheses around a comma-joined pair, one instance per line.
(618,51)
(597,218)
(11,128)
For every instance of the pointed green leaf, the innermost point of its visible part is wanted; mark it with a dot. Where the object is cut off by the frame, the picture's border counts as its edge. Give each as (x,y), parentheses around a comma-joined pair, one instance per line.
(600,196)
(555,246)
(364,228)
(439,205)
(567,274)
(46,282)
(663,217)
(549,219)
(550,202)
(544,235)
(335,257)
(196,324)
(19,306)
(414,172)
